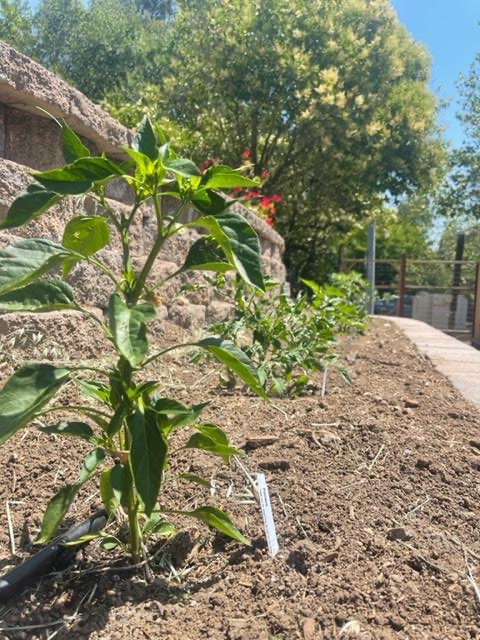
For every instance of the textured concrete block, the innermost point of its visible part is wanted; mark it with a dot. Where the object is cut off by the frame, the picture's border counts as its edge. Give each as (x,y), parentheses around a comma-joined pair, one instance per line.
(32,140)
(186,315)
(218,311)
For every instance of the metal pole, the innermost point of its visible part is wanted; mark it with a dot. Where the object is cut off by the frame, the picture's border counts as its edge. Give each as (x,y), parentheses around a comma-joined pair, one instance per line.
(476,310)
(401,286)
(457,278)
(371,267)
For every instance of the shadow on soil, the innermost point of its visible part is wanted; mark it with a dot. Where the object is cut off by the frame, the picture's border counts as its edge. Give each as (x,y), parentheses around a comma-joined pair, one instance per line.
(78,602)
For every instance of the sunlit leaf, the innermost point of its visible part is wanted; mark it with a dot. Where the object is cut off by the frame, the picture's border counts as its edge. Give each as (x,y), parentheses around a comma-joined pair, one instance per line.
(28,391)
(39,296)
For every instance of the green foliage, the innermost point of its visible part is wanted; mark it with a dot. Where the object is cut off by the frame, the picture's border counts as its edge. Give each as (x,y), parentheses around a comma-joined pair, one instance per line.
(129,426)
(80,41)
(16,24)
(460,193)
(331,98)
(287,338)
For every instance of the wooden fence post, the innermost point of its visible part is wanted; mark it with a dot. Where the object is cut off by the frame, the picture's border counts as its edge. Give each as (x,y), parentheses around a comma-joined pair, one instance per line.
(476,309)
(401,286)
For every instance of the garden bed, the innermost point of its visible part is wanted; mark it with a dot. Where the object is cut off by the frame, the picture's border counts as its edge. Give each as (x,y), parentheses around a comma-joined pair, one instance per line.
(375,491)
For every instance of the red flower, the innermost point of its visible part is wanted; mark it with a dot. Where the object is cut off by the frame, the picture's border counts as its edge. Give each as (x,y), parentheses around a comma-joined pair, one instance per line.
(246,154)
(265,202)
(265,174)
(277,198)
(270,221)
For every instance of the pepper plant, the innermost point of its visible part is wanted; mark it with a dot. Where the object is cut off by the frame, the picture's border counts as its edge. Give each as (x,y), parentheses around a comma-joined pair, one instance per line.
(290,338)
(130,434)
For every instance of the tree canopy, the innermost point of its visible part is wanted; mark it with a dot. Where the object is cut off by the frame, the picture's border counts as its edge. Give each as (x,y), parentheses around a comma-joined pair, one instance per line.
(329,97)
(460,195)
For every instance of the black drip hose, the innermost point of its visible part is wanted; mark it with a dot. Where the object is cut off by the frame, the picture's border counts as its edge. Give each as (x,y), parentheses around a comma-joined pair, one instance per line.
(54,557)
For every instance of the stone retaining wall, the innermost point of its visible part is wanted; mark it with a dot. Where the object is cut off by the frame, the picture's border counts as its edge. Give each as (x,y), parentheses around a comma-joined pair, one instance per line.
(30,139)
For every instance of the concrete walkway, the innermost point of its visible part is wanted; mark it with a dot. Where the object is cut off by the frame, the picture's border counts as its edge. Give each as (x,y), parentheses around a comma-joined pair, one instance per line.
(458,361)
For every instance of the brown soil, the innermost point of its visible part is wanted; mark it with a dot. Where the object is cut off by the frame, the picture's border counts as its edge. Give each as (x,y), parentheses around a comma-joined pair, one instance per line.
(375,493)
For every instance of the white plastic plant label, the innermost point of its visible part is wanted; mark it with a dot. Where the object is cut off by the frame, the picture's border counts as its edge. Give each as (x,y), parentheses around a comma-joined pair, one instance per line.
(270,531)
(325,382)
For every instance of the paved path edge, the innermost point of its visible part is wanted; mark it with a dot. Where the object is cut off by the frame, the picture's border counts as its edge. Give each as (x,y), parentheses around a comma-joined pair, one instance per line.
(457,361)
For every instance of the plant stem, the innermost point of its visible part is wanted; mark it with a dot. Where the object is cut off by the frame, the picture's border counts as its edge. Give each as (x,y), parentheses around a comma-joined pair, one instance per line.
(162,236)
(135,537)
(135,541)
(152,256)
(164,351)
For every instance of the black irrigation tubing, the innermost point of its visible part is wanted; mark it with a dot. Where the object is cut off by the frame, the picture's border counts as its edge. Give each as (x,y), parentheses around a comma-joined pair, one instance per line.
(54,557)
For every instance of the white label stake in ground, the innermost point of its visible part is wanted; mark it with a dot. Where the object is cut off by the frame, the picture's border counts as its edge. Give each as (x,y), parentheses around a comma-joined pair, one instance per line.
(325,382)
(267,514)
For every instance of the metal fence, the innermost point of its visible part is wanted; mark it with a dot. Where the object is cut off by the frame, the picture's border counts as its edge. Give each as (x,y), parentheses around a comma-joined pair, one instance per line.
(443,293)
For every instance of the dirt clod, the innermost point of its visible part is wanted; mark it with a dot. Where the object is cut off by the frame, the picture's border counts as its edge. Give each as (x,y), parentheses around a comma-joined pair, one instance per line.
(399,533)
(255,442)
(274,465)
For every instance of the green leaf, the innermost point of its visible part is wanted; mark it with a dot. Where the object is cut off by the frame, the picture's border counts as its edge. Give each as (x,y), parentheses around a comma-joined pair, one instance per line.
(94,389)
(143,389)
(27,260)
(79,176)
(215,433)
(205,443)
(29,205)
(210,202)
(182,167)
(145,141)
(235,359)
(192,477)
(85,235)
(109,543)
(311,284)
(144,166)
(217,519)
(109,499)
(27,392)
(39,296)
(91,462)
(128,329)
(77,429)
(173,414)
(148,311)
(118,481)
(73,147)
(344,372)
(157,525)
(55,511)
(148,456)
(169,406)
(116,421)
(239,242)
(61,501)
(204,254)
(223,177)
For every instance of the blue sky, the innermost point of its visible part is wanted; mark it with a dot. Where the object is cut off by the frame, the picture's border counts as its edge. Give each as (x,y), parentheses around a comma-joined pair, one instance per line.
(451,32)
